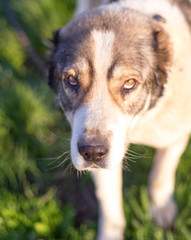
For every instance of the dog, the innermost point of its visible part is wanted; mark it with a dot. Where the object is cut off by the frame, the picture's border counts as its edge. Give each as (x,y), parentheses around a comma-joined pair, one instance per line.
(122,74)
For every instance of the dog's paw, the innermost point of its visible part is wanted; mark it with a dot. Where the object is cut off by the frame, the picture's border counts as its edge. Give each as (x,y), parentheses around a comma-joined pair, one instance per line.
(164,216)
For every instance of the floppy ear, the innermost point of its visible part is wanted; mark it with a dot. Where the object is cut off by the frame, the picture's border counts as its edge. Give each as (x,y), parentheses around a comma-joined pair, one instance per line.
(163,52)
(52,68)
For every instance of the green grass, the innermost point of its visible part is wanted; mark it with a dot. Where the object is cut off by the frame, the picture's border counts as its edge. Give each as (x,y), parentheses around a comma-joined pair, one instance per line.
(26,217)
(41,198)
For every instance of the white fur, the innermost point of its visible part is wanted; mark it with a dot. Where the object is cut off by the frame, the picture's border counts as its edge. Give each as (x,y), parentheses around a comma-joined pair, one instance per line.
(77,130)
(103,45)
(162,183)
(106,119)
(111,221)
(100,112)
(166,127)
(172,111)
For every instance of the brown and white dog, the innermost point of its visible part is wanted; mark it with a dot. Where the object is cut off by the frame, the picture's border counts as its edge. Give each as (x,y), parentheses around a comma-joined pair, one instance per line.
(122,74)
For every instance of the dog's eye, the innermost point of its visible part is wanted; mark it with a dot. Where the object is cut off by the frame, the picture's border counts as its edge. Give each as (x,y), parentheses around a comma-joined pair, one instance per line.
(72,81)
(129,84)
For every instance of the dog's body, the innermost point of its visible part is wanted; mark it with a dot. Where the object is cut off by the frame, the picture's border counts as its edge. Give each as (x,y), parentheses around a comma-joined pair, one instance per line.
(122,75)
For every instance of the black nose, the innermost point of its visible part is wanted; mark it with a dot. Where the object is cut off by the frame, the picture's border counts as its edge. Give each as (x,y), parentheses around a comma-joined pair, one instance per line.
(93,150)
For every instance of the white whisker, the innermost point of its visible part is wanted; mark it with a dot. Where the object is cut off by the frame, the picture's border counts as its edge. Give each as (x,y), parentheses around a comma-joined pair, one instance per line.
(62,162)
(57,158)
(62,138)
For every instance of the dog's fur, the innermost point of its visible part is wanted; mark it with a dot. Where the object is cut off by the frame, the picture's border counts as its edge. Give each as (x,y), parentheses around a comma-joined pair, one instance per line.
(148,41)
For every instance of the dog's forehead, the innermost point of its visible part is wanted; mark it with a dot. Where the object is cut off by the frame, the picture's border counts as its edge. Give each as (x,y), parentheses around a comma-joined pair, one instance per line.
(107,17)
(102,50)
(101,37)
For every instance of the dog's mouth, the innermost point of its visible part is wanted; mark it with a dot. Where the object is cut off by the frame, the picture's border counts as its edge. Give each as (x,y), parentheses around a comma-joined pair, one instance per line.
(97,152)
(98,136)
(91,166)
(95,166)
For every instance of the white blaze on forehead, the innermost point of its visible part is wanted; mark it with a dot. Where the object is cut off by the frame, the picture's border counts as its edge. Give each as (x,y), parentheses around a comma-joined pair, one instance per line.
(103,48)
(100,102)
(99,113)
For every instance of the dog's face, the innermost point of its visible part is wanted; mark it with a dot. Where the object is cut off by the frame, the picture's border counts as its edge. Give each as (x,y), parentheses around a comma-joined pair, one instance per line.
(108,68)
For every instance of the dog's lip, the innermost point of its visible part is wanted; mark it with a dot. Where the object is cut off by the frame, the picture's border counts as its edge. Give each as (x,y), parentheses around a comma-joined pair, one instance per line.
(94,166)
(89,167)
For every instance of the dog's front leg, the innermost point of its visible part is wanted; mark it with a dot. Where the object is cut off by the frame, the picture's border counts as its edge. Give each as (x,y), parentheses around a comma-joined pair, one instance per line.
(162,181)
(109,193)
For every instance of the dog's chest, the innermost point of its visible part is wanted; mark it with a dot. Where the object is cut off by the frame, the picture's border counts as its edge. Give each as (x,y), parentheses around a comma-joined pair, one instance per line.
(162,129)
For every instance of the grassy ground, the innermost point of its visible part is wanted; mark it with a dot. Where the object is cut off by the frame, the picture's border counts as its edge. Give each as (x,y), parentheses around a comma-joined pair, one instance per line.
(41,198)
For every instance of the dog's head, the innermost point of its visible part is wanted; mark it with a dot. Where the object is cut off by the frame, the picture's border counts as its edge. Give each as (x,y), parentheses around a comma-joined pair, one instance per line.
(108,67)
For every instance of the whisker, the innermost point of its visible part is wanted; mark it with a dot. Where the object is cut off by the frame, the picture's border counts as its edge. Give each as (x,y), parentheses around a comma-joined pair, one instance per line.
(47,159)
(68,167)
(125,165)
(54,158)
(136,156)
(57,158)
(131,159)
(72,169)
(134,153)
(78,173)
(84,171)
(64,161)
(61,163)
(133,156)
(62,138)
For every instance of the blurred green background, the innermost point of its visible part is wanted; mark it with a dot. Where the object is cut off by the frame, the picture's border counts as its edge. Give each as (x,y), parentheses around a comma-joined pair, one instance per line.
(41,195)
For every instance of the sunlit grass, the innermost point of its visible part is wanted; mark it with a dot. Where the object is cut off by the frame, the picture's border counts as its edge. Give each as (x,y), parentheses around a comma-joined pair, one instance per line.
(38,188)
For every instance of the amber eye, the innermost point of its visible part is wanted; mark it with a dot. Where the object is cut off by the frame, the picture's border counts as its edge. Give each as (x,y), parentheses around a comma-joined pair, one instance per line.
(72,81)
(129,84)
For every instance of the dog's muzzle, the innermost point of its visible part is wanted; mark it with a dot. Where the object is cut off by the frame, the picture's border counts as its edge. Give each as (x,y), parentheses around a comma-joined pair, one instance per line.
(94,149)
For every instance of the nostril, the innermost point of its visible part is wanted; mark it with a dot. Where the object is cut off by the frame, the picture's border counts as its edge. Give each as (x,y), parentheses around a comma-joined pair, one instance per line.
(85,151)
(100,152)
(91,152)
(87,155)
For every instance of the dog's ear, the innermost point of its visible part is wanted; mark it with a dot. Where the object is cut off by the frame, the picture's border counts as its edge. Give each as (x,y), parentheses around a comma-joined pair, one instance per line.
(52,68)
(163,51)
(55,38)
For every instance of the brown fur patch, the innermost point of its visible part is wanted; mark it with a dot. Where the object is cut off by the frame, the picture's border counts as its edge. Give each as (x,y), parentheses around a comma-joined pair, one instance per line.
(163,49)
(141,47)
(185,6)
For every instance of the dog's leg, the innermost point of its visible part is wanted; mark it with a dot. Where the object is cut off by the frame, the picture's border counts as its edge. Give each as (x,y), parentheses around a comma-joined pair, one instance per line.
(109,193)
(162,181)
